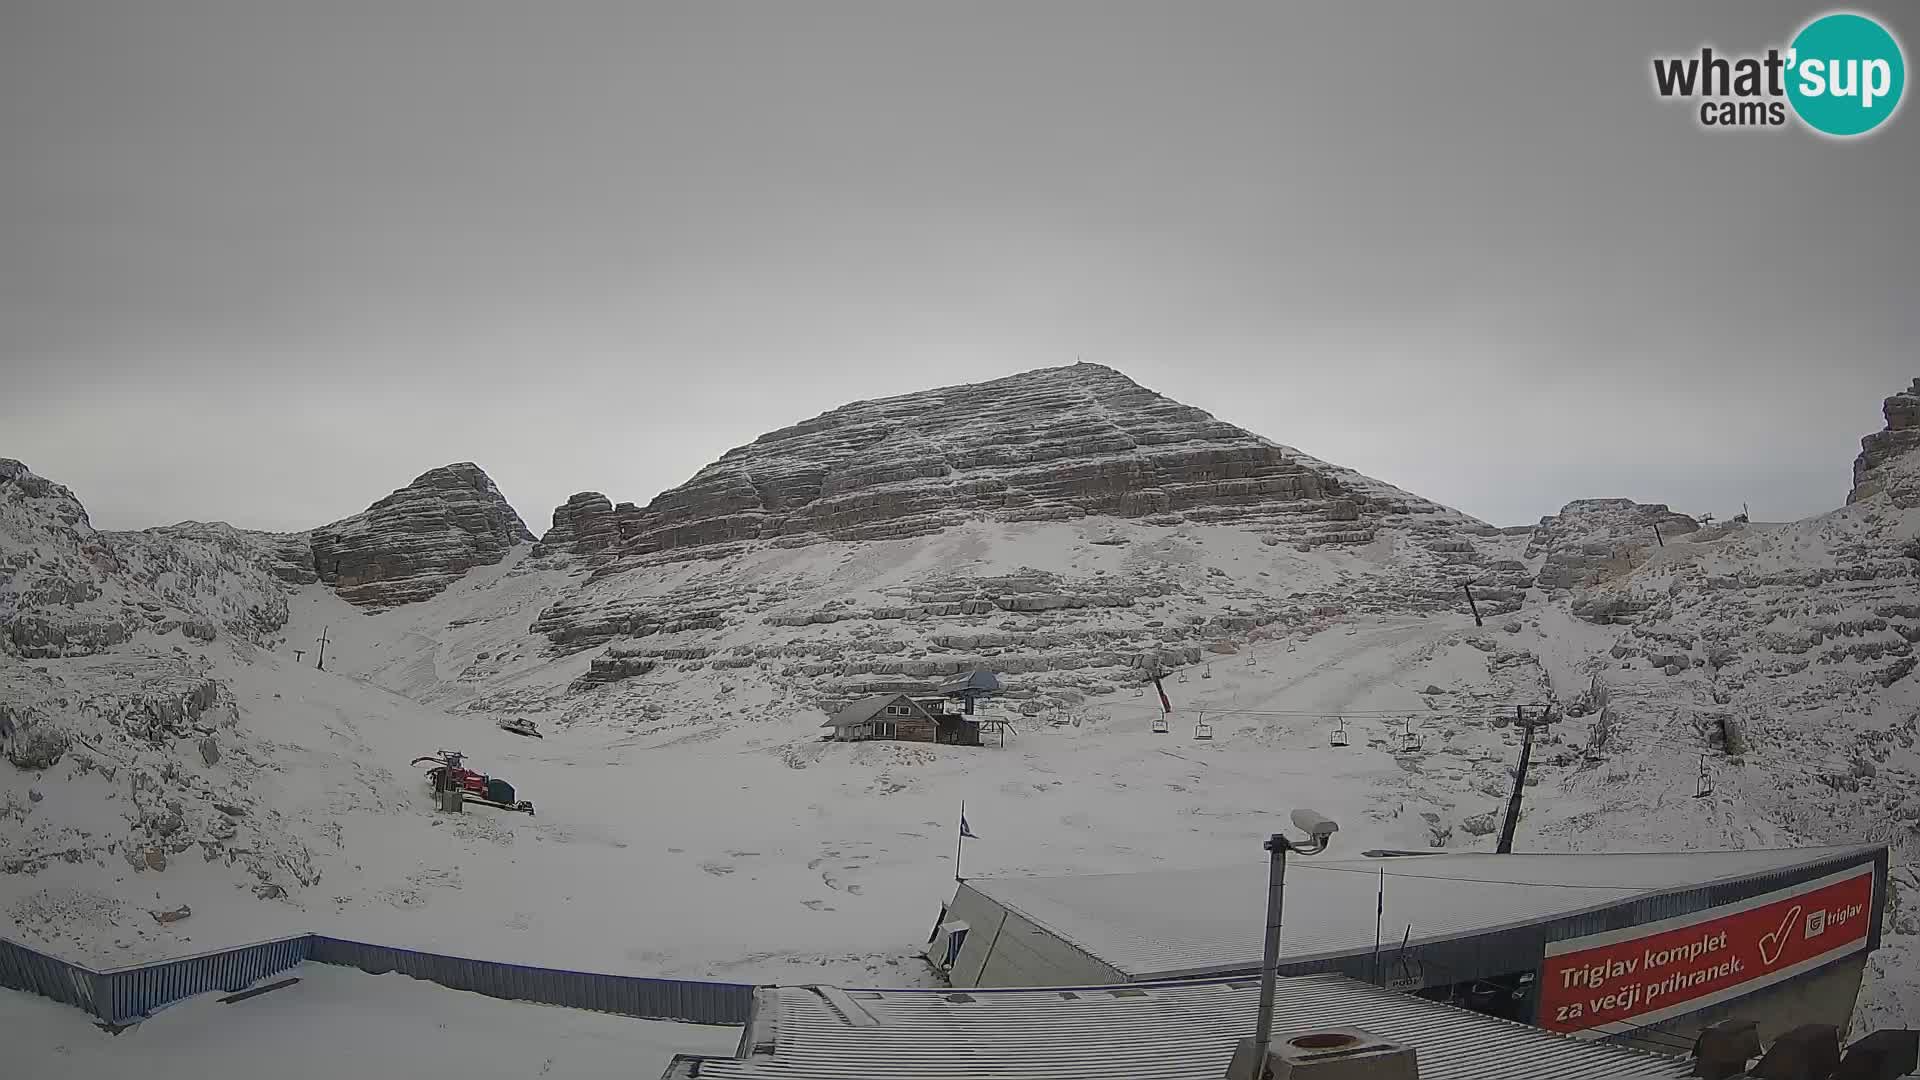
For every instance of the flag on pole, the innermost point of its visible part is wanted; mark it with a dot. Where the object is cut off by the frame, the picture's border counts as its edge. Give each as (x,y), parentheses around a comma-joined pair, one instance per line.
(1165,705)
(960,841)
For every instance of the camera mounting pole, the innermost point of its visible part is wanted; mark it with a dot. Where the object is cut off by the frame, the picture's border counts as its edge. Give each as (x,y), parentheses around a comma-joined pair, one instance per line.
(1320,831)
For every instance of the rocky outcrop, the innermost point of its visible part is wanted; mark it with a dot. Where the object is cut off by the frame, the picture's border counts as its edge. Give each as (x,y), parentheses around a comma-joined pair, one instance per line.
(110,652)
(1054,444)
(1593,540)
(287,556)
(583,525)
(418,540)
(67,589)
(1887,463)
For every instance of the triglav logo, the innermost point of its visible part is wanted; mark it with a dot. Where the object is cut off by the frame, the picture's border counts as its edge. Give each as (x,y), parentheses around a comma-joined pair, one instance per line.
(1842,75)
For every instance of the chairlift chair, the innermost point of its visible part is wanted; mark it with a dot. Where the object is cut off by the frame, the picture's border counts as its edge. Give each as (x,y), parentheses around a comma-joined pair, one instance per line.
(1207,674)
(1160,724)
(1183,676)
(1203,730)
(1340,733)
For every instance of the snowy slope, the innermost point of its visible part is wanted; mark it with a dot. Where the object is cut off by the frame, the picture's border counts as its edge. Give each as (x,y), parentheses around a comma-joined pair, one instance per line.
(340,1022)
(691,822)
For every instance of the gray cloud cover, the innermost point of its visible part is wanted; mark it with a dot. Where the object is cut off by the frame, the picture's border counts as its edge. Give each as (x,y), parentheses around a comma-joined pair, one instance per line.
(263,262)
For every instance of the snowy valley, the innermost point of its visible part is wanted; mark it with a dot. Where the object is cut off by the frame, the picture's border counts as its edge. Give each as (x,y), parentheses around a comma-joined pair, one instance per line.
(173,746)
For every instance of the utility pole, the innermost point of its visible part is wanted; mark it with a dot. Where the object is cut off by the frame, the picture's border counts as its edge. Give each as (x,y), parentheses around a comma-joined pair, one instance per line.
(1467,587)
(322,665)
(1520,775)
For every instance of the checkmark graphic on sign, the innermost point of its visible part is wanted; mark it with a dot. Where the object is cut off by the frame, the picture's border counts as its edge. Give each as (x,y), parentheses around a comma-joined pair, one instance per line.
(1771,944)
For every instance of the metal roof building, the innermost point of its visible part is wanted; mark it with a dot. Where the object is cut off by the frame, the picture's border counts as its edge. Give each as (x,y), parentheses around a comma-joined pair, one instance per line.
(1785,932)
(1161,1031)
(1114,928)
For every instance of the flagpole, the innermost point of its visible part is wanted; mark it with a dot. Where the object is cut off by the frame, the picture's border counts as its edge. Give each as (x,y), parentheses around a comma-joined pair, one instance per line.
(959,839)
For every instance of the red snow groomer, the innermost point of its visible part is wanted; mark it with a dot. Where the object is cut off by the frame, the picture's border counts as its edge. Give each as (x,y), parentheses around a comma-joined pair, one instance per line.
(453,783)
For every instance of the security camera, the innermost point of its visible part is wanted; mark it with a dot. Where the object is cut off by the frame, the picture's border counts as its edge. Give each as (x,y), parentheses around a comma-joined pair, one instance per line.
(1315,824)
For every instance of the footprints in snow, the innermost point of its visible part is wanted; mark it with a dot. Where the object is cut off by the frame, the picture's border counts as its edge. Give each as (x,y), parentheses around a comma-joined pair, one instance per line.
(416,891)
(834,874)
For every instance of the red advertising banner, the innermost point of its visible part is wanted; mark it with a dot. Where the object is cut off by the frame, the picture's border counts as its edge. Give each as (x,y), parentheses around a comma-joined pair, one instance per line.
(1621,979)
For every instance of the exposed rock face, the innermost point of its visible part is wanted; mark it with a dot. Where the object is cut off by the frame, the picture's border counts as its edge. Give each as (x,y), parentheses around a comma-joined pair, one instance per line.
(1878,469)
(109,643)
(287,556)
(1181,513)
(69,590)
(1054,444)
(583,525)
(418,540)
(1591,540)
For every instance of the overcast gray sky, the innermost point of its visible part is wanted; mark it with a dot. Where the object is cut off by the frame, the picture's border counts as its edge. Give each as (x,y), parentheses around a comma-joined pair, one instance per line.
(265,262)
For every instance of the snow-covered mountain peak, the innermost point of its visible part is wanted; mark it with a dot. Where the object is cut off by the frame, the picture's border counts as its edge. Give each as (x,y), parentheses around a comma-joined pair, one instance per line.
(1057,444)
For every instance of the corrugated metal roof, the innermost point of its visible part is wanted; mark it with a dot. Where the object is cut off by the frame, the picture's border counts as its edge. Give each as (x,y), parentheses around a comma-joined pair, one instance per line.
(866,709)
(1163,1031)
(1163,924)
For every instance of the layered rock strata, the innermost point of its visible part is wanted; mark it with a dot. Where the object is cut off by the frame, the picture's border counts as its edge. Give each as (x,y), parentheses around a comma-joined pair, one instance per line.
(1591,540)
(1887,463)
(415,542)
(1054,444)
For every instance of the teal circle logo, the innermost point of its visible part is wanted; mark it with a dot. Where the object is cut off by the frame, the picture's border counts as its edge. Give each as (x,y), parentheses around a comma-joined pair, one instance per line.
(1846,73)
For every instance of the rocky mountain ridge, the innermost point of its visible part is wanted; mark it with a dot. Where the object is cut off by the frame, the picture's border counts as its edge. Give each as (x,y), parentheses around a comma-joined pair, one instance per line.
(67,589)
(1054,447)
(1767,668)
(1049,445)
(402,549)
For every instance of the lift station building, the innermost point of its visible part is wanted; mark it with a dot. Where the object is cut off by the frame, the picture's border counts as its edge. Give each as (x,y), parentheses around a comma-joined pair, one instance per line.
(1629,947)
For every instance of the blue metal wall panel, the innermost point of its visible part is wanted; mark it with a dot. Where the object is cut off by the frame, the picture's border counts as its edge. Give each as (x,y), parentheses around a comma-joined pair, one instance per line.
(123,995)
(654,999)
(126,994)
(35,972)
